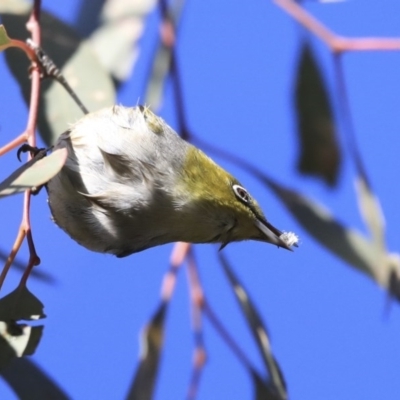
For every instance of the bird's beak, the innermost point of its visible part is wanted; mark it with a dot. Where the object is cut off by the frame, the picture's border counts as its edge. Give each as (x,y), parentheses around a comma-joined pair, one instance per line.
(274,235)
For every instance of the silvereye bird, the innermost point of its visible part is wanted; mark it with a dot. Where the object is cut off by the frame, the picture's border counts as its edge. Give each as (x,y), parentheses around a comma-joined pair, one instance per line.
(131,183)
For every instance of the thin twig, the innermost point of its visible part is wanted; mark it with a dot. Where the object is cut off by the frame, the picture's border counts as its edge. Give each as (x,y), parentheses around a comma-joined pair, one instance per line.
(17,244)
(336,43)
(22,46)
(29,134)
(223,332)
(23,137)
(197,301)
(178,256)
(168,37)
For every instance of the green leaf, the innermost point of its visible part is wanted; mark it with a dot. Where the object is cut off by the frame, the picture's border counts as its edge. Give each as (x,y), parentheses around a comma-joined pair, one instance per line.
(30,382)
(371,212)
(115,41)
(159,72)
(7,351)
(77,62)
(346,243)
(162,61)
(320,151)
(5,41)
(15,6)
(276,385)
(262,389)
(34,173)
(18,340)
(21,304)
(152,341)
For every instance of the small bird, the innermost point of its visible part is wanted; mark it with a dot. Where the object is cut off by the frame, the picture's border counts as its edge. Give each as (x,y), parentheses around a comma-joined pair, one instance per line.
(131,183)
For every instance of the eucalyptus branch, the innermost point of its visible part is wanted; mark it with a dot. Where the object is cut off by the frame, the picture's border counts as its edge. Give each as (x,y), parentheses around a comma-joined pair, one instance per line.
(197,302)
(25,229)
(336,43)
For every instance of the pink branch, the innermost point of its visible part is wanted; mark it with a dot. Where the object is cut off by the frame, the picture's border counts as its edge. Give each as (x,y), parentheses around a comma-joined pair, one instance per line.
(178,256)
(197,302)
(29,135)
(337,44)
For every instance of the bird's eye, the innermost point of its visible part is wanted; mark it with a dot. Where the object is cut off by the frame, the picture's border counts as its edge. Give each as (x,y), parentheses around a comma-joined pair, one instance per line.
(242,193)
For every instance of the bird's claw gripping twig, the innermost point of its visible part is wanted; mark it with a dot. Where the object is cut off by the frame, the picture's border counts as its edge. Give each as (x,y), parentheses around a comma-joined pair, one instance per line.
(33,150)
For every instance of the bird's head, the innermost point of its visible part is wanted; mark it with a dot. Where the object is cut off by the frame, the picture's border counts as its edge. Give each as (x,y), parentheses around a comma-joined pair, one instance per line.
(232,213)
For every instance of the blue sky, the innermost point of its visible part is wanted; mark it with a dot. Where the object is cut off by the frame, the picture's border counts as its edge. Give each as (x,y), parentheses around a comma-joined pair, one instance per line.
(331,329)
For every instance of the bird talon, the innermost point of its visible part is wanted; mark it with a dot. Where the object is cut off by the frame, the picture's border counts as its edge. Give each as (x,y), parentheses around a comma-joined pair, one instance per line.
(27,147)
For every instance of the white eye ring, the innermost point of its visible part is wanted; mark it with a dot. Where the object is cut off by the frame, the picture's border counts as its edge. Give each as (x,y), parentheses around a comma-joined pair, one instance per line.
(242,193)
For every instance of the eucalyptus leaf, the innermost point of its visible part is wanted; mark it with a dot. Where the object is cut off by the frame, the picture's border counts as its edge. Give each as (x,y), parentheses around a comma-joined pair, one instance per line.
(346,243)
(4,39)
(34,173)
(15,336)
(262,389)
(115,41)
(275,385)
(22,339)
(7,352)
(77,62)
(21,304)
(15,6)
(320,151)
(152,341)
(162,61)
(371,212)
(30,382)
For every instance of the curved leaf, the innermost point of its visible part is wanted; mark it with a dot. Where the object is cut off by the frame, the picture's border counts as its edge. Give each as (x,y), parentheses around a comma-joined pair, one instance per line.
(371,212)
(115,40)
(152,341)
(5,41)
(34,173)
(262,389)
(275,385)
(21,304)
(15,6)
(162,60)
(346,243)
(320,151)
(19,340)
(30,382)
(77,62)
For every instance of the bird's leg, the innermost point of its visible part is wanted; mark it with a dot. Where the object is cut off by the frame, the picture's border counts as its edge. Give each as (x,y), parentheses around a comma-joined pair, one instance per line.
(35,152)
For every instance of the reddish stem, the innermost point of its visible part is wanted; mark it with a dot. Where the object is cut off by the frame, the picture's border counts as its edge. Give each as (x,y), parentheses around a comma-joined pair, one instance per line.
(17,244)
(197,302)
(178,256)
(22,46)
(23,137)
(29,135)
(168,37)
(336,43)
